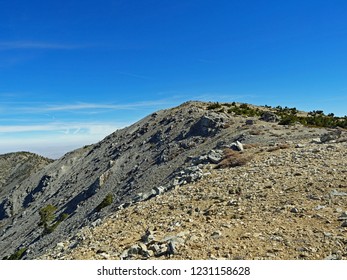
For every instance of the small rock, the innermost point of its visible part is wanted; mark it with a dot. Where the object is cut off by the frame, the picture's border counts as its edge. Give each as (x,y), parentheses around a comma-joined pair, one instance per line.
(344,224)
(176,182)
(159,190)
(143,247)
(294,210)
(105,255)
(316,141)
(144,251)
(124,255)
(237,146)
(102,250)
(154,248)
(332,257)
(304,255)
(60,245)
(337,193)
(96,223)
(250,122)
(162,250)
(299,146)
(313,197)
(216,234)
(342,217)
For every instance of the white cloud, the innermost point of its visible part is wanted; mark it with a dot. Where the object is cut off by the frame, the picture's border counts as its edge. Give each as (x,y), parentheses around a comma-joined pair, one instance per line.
(37,130)
(91,127)
(53,140)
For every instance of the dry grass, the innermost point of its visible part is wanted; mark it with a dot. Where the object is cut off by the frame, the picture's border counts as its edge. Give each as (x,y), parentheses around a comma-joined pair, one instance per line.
(251,145)
(279,147)
(233,158)
(255,132)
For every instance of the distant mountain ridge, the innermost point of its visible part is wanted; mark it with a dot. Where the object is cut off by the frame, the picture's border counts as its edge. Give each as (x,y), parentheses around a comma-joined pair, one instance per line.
(51,200)
(16,167)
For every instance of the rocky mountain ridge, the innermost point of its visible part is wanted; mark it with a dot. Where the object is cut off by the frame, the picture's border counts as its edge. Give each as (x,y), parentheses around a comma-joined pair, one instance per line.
(135,165)
(286,203)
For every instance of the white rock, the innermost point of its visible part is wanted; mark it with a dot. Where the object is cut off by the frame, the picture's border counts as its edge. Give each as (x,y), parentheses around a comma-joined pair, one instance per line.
(237,146)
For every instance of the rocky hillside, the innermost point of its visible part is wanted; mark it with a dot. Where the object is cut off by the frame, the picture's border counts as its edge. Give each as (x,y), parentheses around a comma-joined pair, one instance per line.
(285,203)
(14,169)
(147,169)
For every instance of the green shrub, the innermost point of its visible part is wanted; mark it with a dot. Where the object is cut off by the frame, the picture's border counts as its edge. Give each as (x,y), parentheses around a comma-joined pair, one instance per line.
(50,229)
(288,120)
(63,217)
(289,116)
(47,214)
(214,106)
(17,255)
(106,202)
(244,110)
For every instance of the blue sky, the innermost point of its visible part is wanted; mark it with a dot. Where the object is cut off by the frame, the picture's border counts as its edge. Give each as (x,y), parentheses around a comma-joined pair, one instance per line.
(72,72)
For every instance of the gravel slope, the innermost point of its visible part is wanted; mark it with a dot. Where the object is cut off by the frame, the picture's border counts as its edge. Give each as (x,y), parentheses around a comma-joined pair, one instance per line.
(288,203)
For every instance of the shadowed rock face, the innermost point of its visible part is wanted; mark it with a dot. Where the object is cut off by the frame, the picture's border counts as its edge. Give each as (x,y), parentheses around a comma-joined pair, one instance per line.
(154,155)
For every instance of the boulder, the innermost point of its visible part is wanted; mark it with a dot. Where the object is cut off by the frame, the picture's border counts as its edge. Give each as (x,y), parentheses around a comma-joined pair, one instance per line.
(134,250)
(158,190)
(200,160)
(330,136)
(269,117)
(147,237)
(171,248)
(207,125)
(215,156)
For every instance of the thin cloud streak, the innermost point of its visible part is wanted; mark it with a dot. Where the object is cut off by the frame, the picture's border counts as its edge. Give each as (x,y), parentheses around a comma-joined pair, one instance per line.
(13,45)
(91,128)
(133,75)
(90,106)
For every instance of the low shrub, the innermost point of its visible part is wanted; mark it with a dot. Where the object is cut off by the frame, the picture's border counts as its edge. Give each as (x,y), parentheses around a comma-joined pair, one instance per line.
(251,145)
(17,255)
(106,202)
(47,216)
(214,106)
(233,158)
